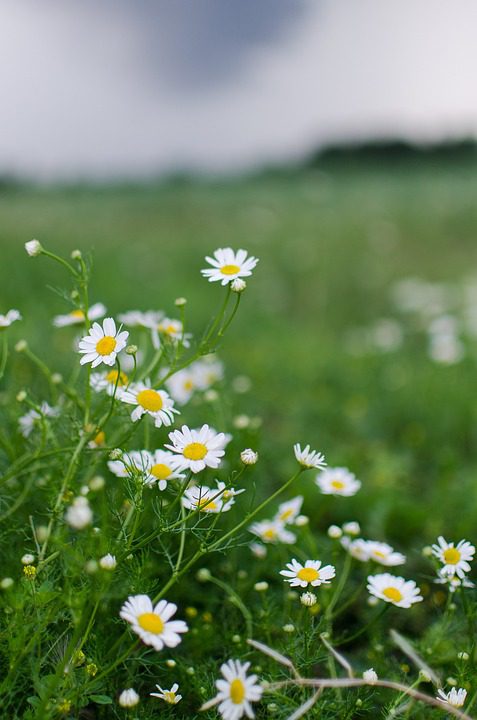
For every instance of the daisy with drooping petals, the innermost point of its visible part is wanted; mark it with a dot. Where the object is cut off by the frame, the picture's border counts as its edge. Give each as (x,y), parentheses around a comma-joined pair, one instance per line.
(103,344)
(156,403)
(311,573)
(228,265)
(11,317)
(235,692)
(213,500)
(289,511)
(77,317)
(169,696)
(396,590)
(455,698)
(358,548)
(171,330)
(138,318)
(108,381)
(338,481)
(272,531)
(28,421)
(455,559)
(454,582)
(384,554)
(153,623)
(308,458)
(131,462)
(197,449)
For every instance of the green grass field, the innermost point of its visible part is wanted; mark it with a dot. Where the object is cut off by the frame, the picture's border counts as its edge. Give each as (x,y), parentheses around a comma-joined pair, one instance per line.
(331,243)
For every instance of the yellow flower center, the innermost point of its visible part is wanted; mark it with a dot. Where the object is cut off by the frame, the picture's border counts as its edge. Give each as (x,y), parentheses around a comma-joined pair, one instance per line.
(100,438)
(237,691)
(393,594)
(206,504)
(337,484)
(270,534)
(170,697)
(229,269)
(188,385)
(285,515)
(151,623)
(451,556)
(308,574)
(112,376)
(379,554)
(77,314)
(149,400)
(161,471)
(195,451)
(106,345)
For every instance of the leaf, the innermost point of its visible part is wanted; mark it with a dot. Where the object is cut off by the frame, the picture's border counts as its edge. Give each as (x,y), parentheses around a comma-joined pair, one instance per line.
(101,699)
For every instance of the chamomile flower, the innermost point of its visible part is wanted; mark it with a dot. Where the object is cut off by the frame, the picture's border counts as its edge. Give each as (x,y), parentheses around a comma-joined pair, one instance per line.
(11,317)
(384,554)
(152,622)
(130,463)
(128,698)
(396,590)
(289,511)
(455,559)
(272,531)
(228,265)
(455,698)
(311,573)
(338,481)
(156,403)
(170,330)
(77,317)
(197,449)
(28,421)
(358,549)
(169,696)
(454,582)
(206,499)
(162,468)
(182,385)
(236,691)
(138,318)
(308,458)
(102,344)
(107,381)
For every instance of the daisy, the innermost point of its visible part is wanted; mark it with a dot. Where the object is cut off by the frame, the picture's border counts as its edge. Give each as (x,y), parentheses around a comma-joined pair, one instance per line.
(28,421)
(134,461)
(384,554)
(311,573)
(102,344)
(455,559)
(228,265)
(235,691)
(77,317)
(395,590)
(338,481)
(454,582)
(309,458)
(107,381)
(137,318)
(200,375)
(152,623)
(213,500)
(162,468)
(169,696)
(455,698)
(11,317)
(289,511)
(357,548)
(197,449)
(156,403)
(172,330)
(272,531)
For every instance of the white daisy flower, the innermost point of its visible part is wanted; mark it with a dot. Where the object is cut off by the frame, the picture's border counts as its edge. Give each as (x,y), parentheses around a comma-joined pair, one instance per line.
(213,500)
(272,531)
(77,317)
(309,458)
(258,550)
(156,467)
(11,317)
(199,376)
(28,421)
(169,696)
(79,514)
(152,623)
(130,463)
(455,559)
(138,318)
(102,344)
(384,554)
(228,265)
(454,582)
(228,493)
(396,590)
(107,381)
(197,449)
(455,698)
(171,329)
(337,481)
(156,403)
(236,691)
(357,548)
(311,573)
(288,511)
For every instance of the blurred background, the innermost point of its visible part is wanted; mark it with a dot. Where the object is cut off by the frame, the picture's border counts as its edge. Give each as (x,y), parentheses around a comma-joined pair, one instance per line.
(333,139)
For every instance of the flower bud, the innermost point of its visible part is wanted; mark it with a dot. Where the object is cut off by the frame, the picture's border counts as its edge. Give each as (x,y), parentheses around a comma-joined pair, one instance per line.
(28,559)
(108,562)
(249,456)
(308,599)
(76,255)
(128,698)
(238,285)
(131,350)
(180,302)
(33,248)
(21,346)
(370,676)
(334,532)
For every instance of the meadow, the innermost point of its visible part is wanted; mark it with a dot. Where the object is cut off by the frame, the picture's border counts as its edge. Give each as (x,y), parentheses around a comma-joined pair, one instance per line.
(325,351)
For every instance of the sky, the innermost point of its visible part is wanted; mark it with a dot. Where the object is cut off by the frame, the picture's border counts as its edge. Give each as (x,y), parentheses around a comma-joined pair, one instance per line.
(133,88)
